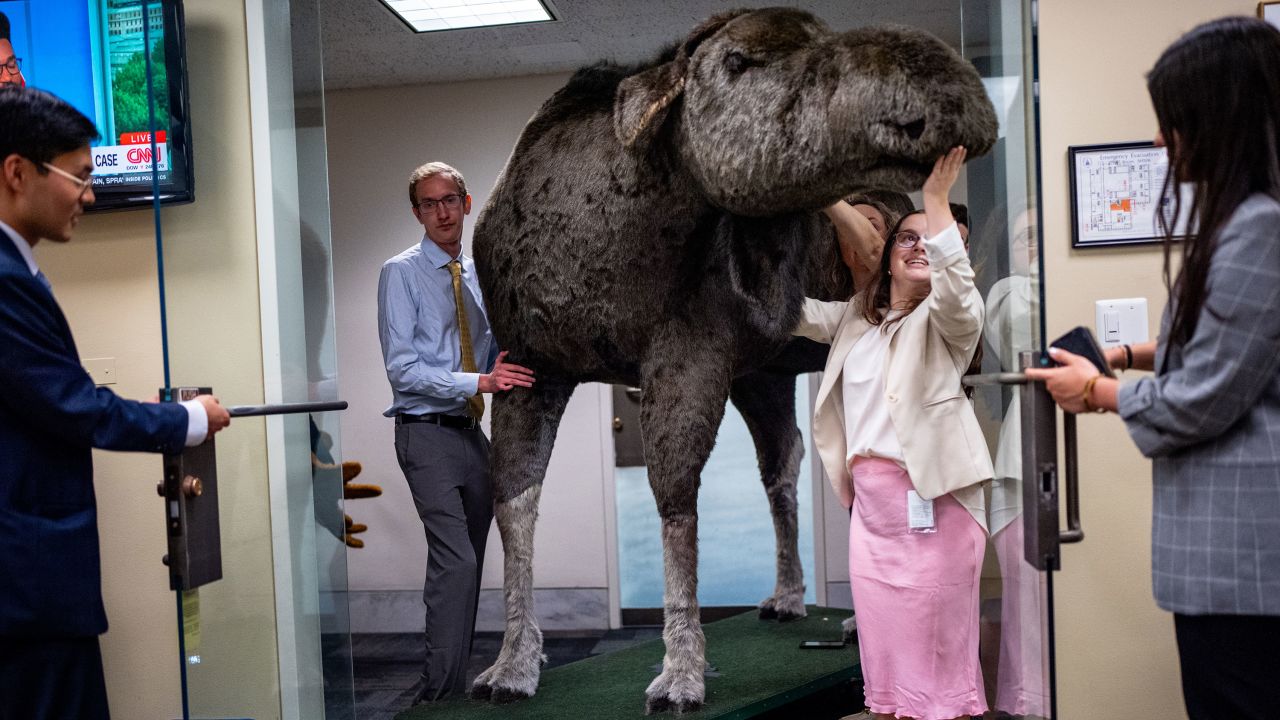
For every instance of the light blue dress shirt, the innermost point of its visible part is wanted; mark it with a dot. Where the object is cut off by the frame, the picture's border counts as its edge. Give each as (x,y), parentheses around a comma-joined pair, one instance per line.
(418,329)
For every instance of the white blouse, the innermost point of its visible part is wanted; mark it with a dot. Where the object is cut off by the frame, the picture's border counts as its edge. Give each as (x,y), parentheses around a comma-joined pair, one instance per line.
(868,429)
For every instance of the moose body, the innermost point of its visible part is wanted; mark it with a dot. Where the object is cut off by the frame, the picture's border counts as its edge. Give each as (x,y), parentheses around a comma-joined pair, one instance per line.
(656,226)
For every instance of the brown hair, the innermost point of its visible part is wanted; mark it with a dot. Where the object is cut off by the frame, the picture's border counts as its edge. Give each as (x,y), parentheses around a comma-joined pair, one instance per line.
(890,217)
(874,298)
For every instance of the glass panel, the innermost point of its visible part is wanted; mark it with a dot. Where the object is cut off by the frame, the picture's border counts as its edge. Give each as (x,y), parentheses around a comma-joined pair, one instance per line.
(736,548)
(271,637)
(1002,194)
(329,475)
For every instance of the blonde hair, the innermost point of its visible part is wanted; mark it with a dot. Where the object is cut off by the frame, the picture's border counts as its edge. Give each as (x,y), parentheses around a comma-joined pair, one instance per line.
(430,170)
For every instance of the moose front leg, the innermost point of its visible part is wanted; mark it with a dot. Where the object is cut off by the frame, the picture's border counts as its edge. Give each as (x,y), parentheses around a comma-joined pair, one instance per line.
(681,412)
(680,686)
(524,429)
(514,675)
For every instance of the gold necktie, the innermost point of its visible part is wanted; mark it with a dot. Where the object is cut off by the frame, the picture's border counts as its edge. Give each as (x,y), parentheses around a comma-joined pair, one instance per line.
(475,403)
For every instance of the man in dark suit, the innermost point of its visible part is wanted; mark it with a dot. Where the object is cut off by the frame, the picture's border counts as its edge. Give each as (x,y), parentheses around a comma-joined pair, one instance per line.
(51,416)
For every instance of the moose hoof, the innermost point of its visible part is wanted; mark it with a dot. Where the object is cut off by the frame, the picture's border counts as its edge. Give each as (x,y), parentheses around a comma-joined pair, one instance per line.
(679,707)
(782,608)
(500,684)
(502,696)
(675,692)
(498,695)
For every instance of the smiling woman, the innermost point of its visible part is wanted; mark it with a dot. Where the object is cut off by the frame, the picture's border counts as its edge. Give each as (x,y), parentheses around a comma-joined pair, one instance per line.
(896,434)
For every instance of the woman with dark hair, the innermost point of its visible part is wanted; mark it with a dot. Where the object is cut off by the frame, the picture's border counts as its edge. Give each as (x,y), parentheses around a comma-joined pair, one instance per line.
(902,446)
(1210,415)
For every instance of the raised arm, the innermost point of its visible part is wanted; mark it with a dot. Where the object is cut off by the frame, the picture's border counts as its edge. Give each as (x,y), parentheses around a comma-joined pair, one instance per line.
(955,305)
(860,242)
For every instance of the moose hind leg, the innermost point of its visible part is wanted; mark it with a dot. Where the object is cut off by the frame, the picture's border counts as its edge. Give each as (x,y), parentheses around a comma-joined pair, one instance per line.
(680,416)
(524,429)
(767,402)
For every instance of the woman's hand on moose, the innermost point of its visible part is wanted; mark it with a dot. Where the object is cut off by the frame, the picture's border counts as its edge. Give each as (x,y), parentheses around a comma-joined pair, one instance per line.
(937,187)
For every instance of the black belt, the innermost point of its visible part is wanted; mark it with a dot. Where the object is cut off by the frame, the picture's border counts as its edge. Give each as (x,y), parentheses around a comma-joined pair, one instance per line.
(460,422)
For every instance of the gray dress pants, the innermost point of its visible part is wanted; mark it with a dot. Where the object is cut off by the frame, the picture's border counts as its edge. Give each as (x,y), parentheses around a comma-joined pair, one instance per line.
(448,473)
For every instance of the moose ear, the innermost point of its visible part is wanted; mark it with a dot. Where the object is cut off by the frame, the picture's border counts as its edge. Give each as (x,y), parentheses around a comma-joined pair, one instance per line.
(642,101)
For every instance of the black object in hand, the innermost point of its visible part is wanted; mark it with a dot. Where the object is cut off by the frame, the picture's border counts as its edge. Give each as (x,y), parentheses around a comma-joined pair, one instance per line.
(1080,341)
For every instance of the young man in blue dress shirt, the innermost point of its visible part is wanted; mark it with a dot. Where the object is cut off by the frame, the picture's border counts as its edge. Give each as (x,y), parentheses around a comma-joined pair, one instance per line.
(436,346)
(51,417)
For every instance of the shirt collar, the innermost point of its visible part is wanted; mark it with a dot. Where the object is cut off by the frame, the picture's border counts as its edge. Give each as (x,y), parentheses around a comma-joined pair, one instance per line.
(24,248)
(437,257)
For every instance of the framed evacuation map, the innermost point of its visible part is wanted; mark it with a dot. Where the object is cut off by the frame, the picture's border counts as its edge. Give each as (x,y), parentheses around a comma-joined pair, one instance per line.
(1115,193)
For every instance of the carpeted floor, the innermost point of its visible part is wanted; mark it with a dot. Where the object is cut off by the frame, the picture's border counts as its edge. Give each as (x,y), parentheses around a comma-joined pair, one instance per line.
(386,666)
(756,669)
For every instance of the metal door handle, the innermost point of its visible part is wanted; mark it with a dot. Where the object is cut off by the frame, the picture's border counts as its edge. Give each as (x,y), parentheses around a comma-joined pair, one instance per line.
(286,408)
(1003,378)
(1073,533)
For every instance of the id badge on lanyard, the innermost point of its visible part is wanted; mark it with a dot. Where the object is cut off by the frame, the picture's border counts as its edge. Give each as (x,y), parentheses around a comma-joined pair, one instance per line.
(919,514)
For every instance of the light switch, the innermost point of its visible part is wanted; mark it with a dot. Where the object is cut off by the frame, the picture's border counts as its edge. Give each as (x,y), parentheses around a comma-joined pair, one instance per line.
(1111,326)
(1121,321)
(102,370)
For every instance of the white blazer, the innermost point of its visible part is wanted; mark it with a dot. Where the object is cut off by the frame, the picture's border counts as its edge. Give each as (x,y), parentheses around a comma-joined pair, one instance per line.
(929,351)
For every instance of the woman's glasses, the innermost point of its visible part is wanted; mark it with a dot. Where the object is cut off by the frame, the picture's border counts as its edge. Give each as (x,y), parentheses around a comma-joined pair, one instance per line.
(906,239)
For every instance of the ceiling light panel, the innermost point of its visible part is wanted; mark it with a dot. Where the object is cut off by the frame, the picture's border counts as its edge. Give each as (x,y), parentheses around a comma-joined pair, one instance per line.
(432,15)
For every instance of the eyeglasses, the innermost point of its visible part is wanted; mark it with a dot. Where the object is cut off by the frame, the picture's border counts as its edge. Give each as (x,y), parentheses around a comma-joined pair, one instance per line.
(451,202)
(82,183)
(13,67)
(906,239)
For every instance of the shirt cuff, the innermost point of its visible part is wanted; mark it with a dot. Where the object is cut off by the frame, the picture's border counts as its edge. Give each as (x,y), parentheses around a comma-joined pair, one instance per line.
(945,244)
(197,423)
(467,383)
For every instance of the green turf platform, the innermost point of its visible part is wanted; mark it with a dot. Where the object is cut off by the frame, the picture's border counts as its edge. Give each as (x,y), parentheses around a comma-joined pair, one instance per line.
(760,665)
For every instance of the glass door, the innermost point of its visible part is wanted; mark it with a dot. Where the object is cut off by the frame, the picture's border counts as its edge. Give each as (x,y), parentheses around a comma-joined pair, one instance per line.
(1016,631)
(257,547)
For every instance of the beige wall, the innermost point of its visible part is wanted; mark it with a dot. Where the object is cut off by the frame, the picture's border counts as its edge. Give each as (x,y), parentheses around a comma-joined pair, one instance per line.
(1116,652)
(106,280)
(376,138)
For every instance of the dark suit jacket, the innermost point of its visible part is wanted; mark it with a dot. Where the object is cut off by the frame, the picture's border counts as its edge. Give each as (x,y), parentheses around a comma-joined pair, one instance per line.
(51,415)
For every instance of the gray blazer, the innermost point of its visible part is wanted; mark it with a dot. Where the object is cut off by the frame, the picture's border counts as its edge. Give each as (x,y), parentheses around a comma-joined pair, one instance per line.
(1210,421)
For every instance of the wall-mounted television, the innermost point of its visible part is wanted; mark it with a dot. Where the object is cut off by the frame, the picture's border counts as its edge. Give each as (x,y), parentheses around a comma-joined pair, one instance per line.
(91,54)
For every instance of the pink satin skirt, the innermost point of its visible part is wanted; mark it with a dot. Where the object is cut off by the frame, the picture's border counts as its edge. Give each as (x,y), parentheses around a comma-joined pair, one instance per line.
(916,599)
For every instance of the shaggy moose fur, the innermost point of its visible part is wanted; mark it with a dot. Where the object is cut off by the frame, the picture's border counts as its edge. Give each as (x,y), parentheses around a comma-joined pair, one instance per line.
(656,226)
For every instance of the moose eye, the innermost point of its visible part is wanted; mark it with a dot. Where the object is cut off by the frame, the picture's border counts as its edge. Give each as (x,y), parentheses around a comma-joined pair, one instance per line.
(735,62)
